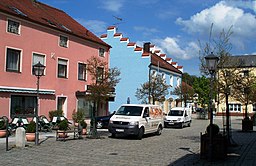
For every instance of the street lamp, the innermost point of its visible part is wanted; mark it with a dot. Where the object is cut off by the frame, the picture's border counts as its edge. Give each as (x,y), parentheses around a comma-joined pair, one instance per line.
(211,64)
(38,71)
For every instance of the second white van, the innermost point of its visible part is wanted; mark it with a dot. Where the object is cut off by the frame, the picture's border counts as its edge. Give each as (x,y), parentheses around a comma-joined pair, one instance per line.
(178,117)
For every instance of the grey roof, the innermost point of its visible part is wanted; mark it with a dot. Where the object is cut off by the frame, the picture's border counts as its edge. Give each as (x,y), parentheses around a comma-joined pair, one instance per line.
(241,61)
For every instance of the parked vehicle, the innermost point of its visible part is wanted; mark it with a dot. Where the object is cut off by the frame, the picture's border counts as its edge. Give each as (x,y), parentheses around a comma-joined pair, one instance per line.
(136,119)
(178,117)
(103,121)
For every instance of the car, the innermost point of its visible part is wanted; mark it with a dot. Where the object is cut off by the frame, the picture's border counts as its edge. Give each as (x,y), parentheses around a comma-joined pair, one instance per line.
(178,117)
(103,121)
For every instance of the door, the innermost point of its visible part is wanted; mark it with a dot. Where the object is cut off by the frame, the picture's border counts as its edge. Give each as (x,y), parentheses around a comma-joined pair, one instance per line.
(147,120)
(62,105)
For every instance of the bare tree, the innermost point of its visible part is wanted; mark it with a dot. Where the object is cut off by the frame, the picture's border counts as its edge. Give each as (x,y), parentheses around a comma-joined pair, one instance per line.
(154,90)
(104,80)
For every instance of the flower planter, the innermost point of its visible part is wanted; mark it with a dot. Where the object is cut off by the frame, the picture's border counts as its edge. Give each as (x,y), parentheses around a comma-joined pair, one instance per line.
(31,137)
(2,133)
(219,146)
(247,125)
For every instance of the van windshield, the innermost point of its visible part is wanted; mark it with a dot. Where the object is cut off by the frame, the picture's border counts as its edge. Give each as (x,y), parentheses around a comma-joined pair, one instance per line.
(175,113)
(129,111)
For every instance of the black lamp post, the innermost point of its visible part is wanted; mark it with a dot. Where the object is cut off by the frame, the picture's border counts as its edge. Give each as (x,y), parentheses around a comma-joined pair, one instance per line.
(211,64)
(38,71)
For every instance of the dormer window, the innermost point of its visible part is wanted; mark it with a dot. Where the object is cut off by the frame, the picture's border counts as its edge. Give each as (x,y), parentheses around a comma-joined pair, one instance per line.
(13,27)
(101,52)
(63,41)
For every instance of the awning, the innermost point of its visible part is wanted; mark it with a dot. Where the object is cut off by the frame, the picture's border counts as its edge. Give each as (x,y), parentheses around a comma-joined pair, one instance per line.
(26,90)
(86,93)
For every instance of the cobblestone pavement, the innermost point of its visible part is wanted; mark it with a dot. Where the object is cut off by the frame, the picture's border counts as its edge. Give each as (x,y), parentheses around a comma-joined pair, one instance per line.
(173,147)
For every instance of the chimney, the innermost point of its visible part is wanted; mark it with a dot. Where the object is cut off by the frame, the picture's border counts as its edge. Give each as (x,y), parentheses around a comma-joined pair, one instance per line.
(146,47)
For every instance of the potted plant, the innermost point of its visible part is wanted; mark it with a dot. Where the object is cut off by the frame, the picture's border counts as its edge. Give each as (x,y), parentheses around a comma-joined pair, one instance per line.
(78,116)
(30,131)
(219,143)
(84,126)
(63,126)
(2,128)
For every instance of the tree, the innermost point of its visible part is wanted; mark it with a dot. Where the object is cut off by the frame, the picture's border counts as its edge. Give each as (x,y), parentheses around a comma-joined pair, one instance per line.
(201,87)
(156,87)
(185,92)
(104,80)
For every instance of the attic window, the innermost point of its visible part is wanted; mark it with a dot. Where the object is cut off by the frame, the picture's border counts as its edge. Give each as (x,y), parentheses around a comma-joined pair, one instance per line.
(64,27)
(49,22)
(17,11)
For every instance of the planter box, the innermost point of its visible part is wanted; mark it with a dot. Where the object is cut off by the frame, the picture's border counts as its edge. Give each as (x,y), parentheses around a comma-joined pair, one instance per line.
(219,147)
(247,125)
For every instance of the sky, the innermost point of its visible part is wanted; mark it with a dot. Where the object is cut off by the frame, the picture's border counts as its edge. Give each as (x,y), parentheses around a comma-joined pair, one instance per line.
(174,26)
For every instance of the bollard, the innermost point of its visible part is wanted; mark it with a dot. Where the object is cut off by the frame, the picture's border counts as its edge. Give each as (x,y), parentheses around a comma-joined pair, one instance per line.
(20,137)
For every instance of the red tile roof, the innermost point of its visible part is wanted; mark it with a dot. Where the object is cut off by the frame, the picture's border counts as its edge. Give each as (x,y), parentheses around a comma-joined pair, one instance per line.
(111,27)
(158,61)
(131,44)
(103,36)
(48,16)
(168,59)
(117,34)
(124,39)
(138,48)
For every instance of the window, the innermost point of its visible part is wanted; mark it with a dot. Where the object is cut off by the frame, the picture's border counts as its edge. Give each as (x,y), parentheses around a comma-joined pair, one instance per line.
(85,106)
(38,58)
(62,68)
(13,60)
(23,105)
(178,81)
(100,71)
(234,107)
(81,71)
(13,27)
(171,80)
(101,52)
(254,107)
(63,41)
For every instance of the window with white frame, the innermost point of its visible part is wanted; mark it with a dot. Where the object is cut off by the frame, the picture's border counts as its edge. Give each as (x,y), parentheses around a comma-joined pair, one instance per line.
(38,58)
(62,68)
(13,60)
(63,41)
(13,27)
(101,52)
(178,81)
(234,107)
(171,80)
(81,71)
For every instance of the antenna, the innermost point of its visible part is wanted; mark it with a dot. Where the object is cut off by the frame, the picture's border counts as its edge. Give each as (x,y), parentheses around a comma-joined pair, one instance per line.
(119,21)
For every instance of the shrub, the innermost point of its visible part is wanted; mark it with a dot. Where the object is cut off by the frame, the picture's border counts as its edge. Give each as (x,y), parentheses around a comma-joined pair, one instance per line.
(78,116)
(63,125)
(55,113)
(31,128)
(83,124)
(215,129)
(2,124)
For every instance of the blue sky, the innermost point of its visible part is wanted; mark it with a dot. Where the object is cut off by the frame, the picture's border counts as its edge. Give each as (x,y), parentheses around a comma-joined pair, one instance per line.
(174,26)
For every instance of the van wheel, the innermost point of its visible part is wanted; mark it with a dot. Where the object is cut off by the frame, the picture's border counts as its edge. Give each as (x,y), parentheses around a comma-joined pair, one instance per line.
(189,124)
(113,135)
(181,125)
(159,130)
(141,133)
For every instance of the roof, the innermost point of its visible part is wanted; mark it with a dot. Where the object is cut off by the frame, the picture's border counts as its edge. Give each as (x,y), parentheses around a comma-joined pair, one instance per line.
(48,16)
(241,61)
(158,61)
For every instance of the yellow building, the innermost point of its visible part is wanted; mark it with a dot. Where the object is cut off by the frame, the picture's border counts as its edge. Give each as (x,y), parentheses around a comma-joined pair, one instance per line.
(233,81)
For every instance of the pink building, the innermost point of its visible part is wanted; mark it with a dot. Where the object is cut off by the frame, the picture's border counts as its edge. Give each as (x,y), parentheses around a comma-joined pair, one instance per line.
(31,32)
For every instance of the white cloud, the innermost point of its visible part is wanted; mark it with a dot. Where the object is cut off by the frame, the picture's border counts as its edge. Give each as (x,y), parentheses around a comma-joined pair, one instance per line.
(96,26)
(223,17)
(249,4)
(171,46)
(112,5)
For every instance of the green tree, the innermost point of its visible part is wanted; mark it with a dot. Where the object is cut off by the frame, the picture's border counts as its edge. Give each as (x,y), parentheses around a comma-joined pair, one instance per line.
(156,87)
(185,92)
(104,80)
(201,87)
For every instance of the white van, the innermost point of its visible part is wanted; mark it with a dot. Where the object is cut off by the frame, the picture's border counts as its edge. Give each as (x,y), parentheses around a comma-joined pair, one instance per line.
(136,119)
(178,117)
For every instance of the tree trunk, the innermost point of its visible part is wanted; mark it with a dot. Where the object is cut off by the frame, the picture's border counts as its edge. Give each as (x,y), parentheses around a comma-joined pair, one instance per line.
(93,132)
(227,119)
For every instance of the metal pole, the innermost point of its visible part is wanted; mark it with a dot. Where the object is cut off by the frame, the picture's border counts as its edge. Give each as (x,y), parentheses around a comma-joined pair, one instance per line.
(211,118)
(149,84)
(37,103)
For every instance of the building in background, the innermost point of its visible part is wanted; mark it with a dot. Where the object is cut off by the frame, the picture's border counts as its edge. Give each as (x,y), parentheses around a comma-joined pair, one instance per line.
(135,64)
(31,32)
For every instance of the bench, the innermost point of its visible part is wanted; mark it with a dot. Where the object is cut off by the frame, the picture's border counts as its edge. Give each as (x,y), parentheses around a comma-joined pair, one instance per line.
(66,134)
